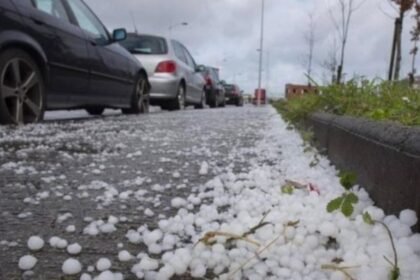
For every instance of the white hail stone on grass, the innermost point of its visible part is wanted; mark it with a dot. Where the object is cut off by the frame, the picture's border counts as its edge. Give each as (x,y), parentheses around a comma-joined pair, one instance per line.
(70,228)
(108,275)
(178,202)
(408,217)
(71,267)
(204,169)
(27,262)
(85,276)
(103,264)
(149,213)
(124,256)
(74,249)
(147,263)
(35,243)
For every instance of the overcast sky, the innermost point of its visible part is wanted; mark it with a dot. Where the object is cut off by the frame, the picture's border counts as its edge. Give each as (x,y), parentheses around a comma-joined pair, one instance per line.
(225,34)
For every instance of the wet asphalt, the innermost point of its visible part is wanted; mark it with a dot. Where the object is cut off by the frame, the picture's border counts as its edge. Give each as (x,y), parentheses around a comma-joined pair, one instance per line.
(81,168)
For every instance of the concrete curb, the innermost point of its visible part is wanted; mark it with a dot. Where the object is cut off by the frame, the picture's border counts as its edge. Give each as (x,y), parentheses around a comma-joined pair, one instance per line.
(385,156)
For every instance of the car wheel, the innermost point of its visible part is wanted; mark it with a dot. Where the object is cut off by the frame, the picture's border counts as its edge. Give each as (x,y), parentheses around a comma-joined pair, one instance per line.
(214,103)
(140,99)
(22,89)
(95,111)
(203,102)
(179,103)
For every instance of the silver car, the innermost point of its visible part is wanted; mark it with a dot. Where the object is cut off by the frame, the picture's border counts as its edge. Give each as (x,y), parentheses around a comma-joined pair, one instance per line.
(175,79)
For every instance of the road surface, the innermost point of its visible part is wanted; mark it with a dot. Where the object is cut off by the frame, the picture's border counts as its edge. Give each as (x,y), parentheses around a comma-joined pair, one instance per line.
(197,194)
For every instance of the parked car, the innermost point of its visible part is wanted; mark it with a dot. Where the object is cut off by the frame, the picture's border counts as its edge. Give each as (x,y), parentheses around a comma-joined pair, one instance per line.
(233,95)
(174,76)
(215,92)
(56,54)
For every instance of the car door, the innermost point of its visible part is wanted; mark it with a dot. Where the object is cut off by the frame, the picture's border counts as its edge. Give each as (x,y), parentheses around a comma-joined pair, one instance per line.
(183,68)
(48,22)
(196,78)
(110,77)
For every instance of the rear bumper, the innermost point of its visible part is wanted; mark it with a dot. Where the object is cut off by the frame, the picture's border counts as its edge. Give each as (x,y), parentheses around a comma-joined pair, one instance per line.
(232,99)
(164,86)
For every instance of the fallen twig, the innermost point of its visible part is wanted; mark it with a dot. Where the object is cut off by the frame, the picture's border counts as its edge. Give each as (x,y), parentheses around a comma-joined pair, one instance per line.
(259,252)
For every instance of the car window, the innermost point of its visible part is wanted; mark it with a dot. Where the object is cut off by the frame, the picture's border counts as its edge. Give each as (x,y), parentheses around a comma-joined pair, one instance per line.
(144,44)
(179,52)
(190,60)
(88,21)
(214,74)
(52,7)
(229,87)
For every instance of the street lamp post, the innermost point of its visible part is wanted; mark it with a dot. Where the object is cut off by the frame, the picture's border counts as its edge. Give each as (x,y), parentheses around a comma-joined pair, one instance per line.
(261,53)
(176,25)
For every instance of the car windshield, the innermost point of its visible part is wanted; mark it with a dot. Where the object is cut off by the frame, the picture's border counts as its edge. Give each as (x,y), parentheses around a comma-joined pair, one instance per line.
(230,87)
(142,44)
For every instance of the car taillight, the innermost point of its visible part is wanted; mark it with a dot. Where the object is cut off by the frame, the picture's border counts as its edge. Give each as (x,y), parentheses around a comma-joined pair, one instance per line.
(208,81)
(168,66)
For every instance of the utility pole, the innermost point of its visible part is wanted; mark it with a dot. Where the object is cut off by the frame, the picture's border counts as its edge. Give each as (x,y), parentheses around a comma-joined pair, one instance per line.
(261,53)
(267,83)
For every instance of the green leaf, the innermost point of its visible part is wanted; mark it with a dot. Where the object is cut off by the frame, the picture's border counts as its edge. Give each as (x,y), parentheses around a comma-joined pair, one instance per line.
(395,273)
(348,179)
(352,198)
(368,219)
(347,207)
(287,189)
(335,204)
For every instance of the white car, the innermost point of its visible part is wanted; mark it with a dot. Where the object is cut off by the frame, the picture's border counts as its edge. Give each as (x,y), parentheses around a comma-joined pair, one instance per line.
(175,79)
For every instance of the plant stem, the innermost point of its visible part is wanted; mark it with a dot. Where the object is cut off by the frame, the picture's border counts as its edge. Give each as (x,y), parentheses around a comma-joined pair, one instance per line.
(392,242)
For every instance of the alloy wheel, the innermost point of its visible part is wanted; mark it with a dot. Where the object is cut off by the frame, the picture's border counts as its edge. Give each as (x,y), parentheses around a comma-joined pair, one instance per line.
(21,92)
(181,98)
(203,100)
(142,96)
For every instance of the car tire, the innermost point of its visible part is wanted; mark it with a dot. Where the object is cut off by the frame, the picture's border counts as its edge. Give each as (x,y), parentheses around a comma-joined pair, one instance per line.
(22,88)
(95,111)
(203,101)
(140,99)
(179,103)
(214,103)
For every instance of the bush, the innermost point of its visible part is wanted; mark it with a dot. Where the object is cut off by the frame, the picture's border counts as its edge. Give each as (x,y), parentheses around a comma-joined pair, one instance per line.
(375,100)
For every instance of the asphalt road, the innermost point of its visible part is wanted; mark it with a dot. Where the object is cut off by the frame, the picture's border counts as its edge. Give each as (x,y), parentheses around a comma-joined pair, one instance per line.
(72,172)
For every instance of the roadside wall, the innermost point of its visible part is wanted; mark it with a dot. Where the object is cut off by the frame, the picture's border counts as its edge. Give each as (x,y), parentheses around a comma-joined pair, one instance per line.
(385,157)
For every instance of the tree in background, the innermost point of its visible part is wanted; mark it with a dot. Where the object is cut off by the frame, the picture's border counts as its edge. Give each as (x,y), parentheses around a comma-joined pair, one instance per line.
(396,53)
(330,63)
(415,36)
(341,21)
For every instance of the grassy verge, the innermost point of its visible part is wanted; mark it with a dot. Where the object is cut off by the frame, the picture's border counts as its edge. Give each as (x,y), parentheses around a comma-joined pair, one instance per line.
(395,102)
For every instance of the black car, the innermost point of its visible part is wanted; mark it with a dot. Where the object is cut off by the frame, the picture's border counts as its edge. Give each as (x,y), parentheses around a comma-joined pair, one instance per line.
(215,92)
(56,54)
(233,95)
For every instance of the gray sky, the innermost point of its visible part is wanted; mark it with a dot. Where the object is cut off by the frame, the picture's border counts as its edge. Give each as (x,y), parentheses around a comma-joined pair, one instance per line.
(225,34)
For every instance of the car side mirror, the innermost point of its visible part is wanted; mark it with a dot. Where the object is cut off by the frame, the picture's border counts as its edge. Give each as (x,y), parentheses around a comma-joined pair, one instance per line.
(119,35)
(199,68)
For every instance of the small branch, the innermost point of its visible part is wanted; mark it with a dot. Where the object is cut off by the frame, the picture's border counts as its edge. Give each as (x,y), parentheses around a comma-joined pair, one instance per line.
(259,252)
(213,234)
(342,269)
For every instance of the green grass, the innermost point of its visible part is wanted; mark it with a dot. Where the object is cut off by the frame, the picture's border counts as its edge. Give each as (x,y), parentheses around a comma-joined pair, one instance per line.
(381,101)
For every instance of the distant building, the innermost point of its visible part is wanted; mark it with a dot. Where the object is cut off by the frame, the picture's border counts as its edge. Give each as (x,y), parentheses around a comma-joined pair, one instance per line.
(293,91)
